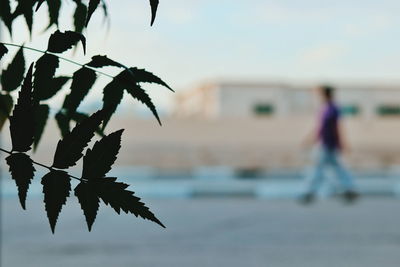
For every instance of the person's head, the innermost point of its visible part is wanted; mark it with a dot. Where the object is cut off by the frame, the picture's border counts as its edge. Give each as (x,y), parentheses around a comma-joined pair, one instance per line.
(326,92)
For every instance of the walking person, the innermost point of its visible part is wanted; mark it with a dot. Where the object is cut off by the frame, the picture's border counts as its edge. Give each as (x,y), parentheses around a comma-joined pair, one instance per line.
(330,140)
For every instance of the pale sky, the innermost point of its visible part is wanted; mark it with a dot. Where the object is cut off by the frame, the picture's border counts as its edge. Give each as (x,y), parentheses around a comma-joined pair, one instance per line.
(197,40)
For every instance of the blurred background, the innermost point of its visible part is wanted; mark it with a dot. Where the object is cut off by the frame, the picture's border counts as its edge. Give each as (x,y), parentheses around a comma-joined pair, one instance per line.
(224,171)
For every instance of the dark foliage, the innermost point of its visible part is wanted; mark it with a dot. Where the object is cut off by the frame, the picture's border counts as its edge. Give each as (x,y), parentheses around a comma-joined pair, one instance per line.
(138,93)
(41,115)
(54,12)
(45,68)
(103,61)
(80,16)
(12,77)
(22,171)
(63,123)
(31,113)
(97,161)
(3,50)
(89,200)
(112,97)
(82,80)
(25,8)
(56,188)
(154,6)
(69,149)
(60,42)
(22,120)
(6,105)
(5,14)
(93,4)
(115,194)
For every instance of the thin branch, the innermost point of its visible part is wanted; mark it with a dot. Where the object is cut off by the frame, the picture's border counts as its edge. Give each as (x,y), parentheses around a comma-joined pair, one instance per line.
(60,57)
(45,166)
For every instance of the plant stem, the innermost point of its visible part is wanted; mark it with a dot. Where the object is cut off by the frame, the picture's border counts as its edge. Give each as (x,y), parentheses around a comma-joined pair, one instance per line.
(45,166)
(60,57)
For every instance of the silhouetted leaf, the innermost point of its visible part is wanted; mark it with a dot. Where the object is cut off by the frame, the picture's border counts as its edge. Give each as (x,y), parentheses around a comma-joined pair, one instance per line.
(103,61)
(115,194)
(39,3)
(143,76)
(56,187)
(6,104)
(63,123)
(41,116)
(112,96)
(137,92)
(55,85)
(80,16)
(3,50)
(25,8)
(45,68)
(69,149)
(82,80)
(12,77)
(154,6)
(97,161)
(89,201)
(5,14)
(22,121)
(93,4)
(22,171)
(79,117)
(54,12)
(60,42)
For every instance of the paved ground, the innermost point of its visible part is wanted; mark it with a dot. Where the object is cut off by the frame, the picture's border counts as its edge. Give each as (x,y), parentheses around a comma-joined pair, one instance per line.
(209,232)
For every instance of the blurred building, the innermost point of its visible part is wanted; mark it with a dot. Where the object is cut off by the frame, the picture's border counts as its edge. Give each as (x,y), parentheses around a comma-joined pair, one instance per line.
(246,100)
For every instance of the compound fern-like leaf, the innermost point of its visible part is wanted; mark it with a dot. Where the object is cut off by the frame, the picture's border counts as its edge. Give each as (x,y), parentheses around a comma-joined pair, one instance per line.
(60,42)
(25,8)
(154,6)
(87,197)
(5,14)
(69,149)
(12,77)
(93,4)
(45,68)
(56,188)
(6,105)
(97,161)
(39,3)
(138,93)
(22,120)
(143,76)
(115,194)
(55,85)
(63,123)
(112,96)
(103,61)
(22,172)
(3,50)
(80,16)
(41,116)
(54,12)
(82,81)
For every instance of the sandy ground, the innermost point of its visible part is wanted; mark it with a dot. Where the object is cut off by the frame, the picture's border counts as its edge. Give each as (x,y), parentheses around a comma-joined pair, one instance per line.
(209,232)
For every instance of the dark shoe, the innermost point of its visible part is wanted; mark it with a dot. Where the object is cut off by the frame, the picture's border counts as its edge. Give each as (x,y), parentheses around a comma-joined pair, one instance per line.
(350,196)
(307,199)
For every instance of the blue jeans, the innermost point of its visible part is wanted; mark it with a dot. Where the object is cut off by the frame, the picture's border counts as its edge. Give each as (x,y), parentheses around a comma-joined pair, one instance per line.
(329,158)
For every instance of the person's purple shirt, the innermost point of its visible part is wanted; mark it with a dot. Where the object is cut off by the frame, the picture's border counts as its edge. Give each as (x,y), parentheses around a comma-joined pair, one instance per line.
(328,131)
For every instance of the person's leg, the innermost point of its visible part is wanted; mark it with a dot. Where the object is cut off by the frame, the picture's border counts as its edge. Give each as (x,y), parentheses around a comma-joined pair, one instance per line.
(341,172)
(316,178)
(344,177)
